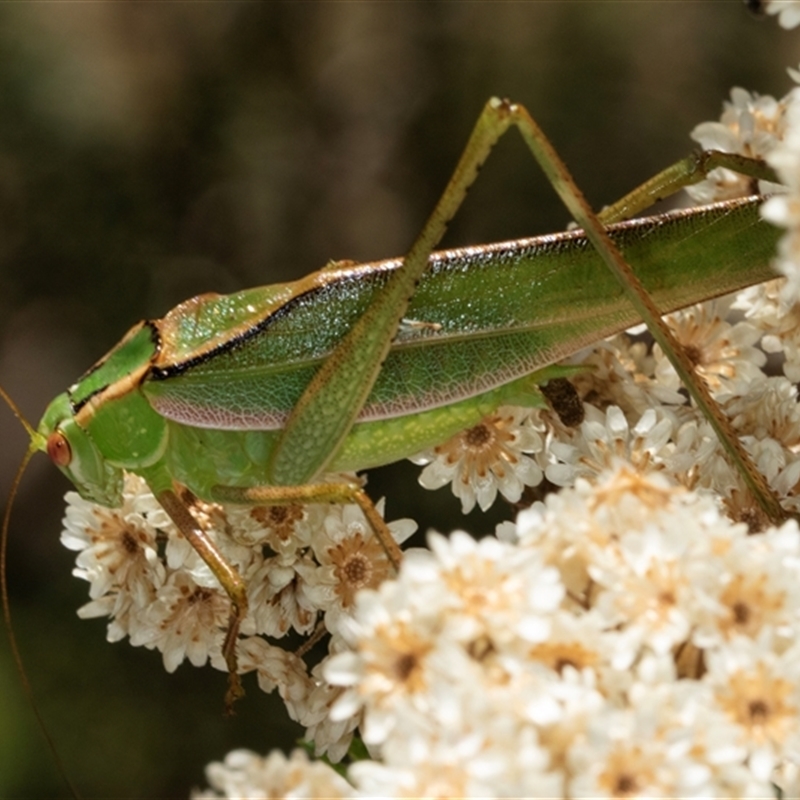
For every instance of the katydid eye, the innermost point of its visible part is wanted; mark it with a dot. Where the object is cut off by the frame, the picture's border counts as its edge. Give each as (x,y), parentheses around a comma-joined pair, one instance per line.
(58,449)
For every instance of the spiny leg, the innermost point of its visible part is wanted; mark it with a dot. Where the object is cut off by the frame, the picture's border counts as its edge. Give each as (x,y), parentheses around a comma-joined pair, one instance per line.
(231,581)
(683,173)
(497,117)
(332,492)
(224,572)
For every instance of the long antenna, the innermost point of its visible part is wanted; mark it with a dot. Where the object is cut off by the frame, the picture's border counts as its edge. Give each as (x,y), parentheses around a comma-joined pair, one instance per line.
(12,638)
(29,429)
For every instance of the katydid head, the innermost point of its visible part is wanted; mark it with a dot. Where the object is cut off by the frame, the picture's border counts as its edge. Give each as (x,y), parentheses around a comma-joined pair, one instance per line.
(74,452)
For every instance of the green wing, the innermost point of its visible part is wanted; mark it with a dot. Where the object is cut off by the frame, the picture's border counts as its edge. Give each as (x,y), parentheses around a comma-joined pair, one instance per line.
(503,311)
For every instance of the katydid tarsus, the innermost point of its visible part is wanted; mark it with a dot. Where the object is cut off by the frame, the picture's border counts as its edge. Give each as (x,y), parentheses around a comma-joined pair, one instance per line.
(252,397)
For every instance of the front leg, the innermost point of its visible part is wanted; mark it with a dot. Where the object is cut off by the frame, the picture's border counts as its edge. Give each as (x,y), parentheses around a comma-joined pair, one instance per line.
(332,492)
(230,580)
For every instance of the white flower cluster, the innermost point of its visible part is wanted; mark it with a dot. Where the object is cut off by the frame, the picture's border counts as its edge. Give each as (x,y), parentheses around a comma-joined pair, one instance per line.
(302,566)
(492,456)
(758,126)
(632,641)
(629,641)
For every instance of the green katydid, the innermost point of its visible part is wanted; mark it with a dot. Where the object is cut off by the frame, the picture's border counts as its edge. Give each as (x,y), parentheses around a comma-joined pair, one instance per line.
(253,396)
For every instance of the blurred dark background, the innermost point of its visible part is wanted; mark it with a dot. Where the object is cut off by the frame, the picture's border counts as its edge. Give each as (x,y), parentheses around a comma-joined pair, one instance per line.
(150,152)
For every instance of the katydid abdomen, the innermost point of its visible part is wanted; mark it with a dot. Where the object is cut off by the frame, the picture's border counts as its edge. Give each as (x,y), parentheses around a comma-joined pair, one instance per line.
(209,387)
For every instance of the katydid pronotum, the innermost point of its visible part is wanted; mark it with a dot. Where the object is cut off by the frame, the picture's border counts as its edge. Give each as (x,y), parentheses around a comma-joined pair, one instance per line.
(251,397)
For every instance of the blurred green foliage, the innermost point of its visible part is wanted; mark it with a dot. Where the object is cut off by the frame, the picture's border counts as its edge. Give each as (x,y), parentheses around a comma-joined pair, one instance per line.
(149,152)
